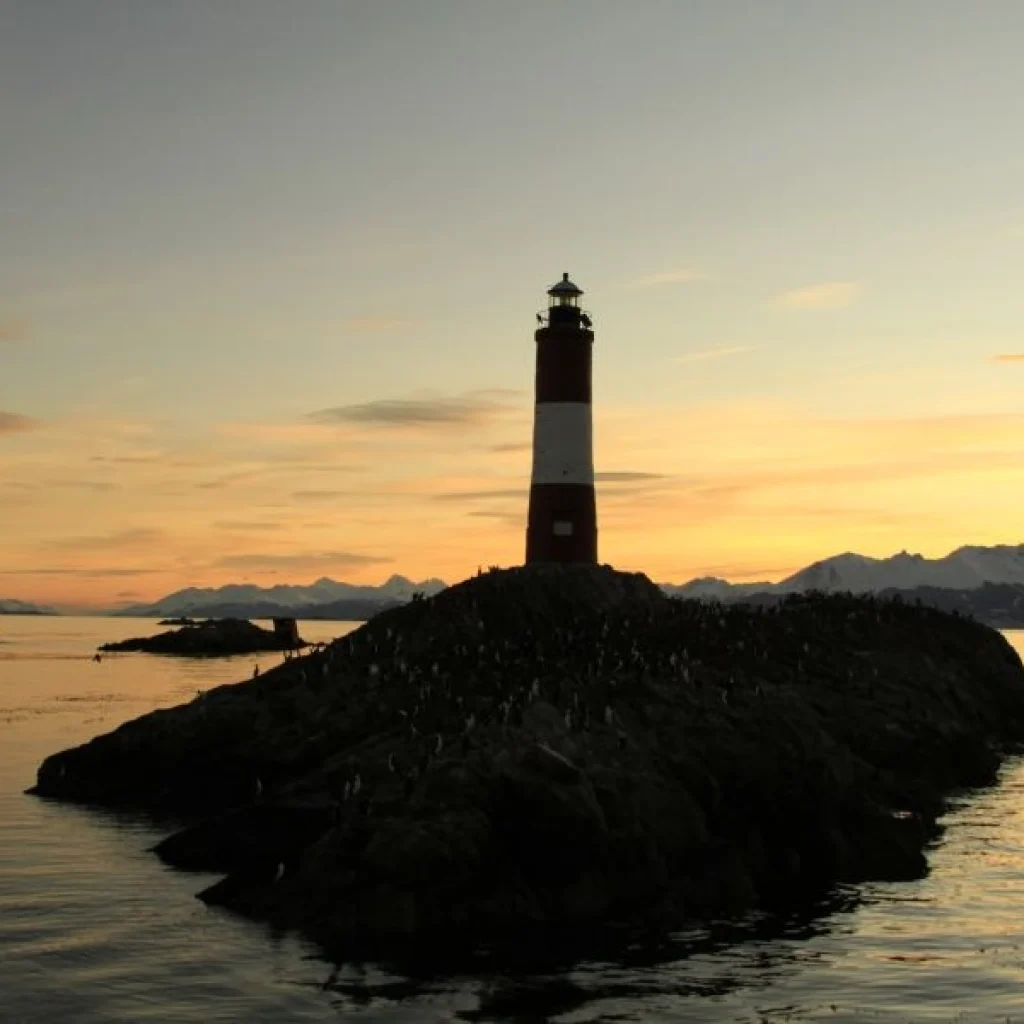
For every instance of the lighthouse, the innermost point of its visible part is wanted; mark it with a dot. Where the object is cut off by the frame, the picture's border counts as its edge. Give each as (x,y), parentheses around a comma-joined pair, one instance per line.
(561,524)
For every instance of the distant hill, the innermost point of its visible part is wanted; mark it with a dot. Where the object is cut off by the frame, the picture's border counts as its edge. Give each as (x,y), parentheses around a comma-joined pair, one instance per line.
(963,569)
(9,606)
(985,583)
(324,599)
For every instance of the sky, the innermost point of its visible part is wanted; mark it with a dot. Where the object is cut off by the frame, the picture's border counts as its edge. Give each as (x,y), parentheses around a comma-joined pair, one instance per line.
(268,277)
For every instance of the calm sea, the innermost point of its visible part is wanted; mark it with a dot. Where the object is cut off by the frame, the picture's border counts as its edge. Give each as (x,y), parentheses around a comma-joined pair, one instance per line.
(93,928)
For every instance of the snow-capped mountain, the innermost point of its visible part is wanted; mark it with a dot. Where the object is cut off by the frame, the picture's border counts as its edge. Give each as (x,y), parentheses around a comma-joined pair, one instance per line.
(197,600)
(966,568)
(963,569)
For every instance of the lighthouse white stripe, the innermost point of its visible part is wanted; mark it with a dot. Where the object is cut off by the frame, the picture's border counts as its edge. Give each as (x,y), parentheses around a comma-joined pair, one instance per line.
(563,443)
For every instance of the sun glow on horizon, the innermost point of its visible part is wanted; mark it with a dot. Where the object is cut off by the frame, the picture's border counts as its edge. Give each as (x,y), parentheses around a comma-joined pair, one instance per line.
(267,309)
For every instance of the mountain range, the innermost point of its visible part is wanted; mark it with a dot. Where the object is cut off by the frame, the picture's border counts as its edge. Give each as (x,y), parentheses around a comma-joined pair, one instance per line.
(342,600)
(966,568)
(987,582)
(8,606)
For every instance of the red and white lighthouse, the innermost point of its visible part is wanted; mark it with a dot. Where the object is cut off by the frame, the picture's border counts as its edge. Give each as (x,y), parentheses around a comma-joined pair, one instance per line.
(562,520)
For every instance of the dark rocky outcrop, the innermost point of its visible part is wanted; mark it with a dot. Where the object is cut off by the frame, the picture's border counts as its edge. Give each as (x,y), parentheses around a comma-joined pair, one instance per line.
(211,638)
(557,748)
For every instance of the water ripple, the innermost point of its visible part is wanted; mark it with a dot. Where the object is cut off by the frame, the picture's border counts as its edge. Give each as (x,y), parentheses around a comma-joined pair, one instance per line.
(94,929)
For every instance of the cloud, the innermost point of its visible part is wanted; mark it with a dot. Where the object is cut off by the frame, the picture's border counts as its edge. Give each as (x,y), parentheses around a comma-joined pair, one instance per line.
(73,570)
(713,353)
(99,486)
(827,295)
(13,329)
(516,520)
(667,277)
(1009,357)
(12,423)
(244,524)
(298,560)
(111,541)
(473,409)
(510,446)
(126,459)
(316,495)
(626,476)
(377,324)
(511,492)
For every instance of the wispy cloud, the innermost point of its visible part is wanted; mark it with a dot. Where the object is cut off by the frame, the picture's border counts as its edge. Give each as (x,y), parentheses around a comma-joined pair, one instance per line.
(245,524)
(667,277)
(827,295)
(622,476)
(1008,357)
(299,560)
(507,492)
(108,572)
(12,422)
(118,539)
(475,408)
(101,486)
(713,353)
(126,459)
(316,495)
(510,446)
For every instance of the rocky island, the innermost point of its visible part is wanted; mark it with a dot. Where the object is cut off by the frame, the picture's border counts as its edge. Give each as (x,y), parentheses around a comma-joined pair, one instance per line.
(552,749)
(214,638)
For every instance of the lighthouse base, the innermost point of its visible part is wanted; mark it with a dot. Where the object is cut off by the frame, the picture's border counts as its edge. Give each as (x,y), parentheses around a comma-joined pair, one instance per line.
(561,524)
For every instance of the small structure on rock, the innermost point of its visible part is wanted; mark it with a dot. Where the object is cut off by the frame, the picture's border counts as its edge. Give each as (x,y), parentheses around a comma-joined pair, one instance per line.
(287,631)
(212,638)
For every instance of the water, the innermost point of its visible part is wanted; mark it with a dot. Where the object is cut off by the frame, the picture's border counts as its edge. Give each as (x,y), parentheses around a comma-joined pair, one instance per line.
(94,929)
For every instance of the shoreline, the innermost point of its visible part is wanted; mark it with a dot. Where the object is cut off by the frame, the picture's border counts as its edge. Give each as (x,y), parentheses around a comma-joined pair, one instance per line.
(747,757)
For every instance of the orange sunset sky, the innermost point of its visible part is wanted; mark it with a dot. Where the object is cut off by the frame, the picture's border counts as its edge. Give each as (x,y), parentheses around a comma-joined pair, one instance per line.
(268,276)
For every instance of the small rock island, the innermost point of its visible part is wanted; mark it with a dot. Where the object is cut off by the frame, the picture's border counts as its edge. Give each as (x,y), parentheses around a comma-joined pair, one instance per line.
(215,638)
(556,748)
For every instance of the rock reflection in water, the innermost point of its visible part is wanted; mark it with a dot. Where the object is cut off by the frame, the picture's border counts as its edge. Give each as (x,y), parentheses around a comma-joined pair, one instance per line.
(608,980)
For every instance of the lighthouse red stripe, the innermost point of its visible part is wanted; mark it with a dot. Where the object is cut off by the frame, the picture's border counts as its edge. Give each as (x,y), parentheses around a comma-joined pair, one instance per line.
(561,503)
(563,365)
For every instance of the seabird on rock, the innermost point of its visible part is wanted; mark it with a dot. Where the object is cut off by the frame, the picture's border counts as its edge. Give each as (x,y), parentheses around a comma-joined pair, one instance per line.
(259,786)
(357,784)
(279,873)
(439,745)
